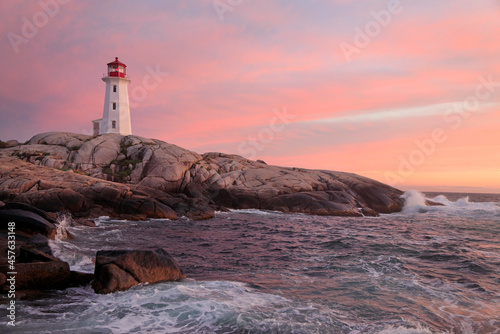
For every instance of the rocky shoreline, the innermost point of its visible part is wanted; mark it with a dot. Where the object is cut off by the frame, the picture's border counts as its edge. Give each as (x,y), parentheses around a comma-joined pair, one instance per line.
(29,267)
(136,178)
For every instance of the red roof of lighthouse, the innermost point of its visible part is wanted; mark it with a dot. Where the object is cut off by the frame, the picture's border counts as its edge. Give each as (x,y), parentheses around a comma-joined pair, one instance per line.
(117,62)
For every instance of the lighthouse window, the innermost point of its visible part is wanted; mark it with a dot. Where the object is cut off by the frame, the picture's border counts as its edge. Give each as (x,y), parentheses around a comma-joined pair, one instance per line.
(113,124)
(114,105)
(114,88)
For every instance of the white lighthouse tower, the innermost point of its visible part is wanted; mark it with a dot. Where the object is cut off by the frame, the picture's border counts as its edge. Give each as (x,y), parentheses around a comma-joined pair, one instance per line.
(116,113)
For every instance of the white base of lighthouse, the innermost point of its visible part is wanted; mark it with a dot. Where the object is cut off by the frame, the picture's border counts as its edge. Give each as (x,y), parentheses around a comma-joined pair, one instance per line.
(116,113)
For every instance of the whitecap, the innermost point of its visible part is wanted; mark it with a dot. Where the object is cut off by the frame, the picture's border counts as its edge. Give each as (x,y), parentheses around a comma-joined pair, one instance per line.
(405,330)
(415,201)
(256,211)
(77,259)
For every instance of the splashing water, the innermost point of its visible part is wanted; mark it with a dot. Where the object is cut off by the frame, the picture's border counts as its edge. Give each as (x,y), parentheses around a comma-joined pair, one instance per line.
(65,220)
(249,272)
(414,201)
(68,252)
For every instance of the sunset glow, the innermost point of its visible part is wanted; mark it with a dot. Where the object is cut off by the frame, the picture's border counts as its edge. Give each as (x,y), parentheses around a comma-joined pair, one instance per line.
(415,101)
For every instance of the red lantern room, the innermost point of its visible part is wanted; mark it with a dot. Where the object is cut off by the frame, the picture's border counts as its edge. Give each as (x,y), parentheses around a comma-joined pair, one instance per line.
(117,69)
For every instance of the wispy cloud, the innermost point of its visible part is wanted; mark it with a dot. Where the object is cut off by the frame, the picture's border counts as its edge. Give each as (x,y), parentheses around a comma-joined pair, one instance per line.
(397,114)
(226,76)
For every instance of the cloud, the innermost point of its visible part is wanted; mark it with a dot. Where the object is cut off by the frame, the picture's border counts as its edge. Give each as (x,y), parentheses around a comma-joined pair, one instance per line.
(225,77)
(395,114)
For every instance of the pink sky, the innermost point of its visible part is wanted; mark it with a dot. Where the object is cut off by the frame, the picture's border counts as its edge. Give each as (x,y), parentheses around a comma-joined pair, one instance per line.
(422,69)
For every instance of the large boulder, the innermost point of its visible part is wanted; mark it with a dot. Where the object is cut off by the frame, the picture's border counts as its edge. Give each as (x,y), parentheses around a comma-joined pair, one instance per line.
(66,139)
(329,203)
(36,249)
(30,208)
(35,266)
(241,183)
(97,152)
(37,269)
(3,280)
(117,270)
(162,166)
(27,222)
(41,275)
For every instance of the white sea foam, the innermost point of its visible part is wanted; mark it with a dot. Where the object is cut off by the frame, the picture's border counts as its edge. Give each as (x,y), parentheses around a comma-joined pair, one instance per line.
(65,220)
(76,258)
(256,211)
(183,307)
(388,269)
(415,201)
(100,220)
(465,204)
(404,330)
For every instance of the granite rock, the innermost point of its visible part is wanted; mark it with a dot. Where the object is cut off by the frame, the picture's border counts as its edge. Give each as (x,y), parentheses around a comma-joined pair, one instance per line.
(147,174)
(117,270)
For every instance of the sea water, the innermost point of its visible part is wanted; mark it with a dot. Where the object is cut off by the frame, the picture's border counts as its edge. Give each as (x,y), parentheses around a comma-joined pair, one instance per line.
(424,270)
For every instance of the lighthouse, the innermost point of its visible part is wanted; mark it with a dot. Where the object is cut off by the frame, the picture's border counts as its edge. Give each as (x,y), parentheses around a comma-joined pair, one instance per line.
(116,112)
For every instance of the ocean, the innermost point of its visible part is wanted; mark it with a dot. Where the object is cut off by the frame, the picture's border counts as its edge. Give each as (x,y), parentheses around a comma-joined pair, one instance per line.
(424,270)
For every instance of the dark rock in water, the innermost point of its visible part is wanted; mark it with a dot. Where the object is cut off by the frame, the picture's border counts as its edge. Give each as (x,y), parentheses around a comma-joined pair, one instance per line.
(379,197)
(117,270)
(111,278)
(428,202)
(36,249)
(37,269)
(39,242)
(28,222)
(3,280)
(367,212)
(30,208)
(80,279)
(41,275)
(85,222)
(198,209)
(330,203)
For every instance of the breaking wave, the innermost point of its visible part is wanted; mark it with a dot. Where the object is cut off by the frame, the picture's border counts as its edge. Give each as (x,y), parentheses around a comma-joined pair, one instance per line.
(415,201)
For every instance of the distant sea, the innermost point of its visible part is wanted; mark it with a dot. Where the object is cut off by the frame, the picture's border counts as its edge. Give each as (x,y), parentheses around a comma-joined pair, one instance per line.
(424,270)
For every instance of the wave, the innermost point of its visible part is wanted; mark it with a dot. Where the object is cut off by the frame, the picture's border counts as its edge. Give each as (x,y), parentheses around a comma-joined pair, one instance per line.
(191,307)
(415,201)
(180,307)
(256,211)
(404,330)
(77,259)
